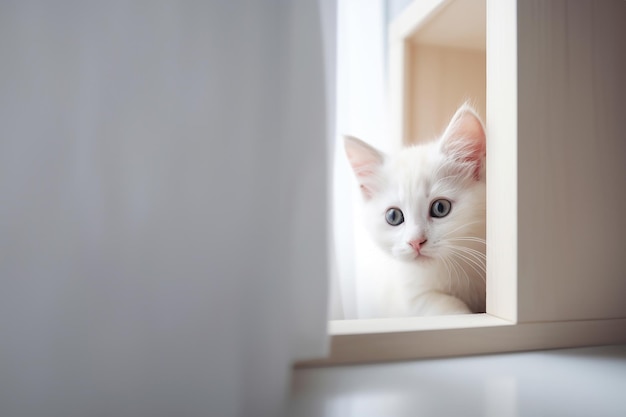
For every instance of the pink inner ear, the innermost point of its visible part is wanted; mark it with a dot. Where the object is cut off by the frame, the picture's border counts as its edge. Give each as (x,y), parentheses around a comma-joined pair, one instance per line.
(365,162)
(464,139)
(364,173)
(362,167)
(367,192)
(469,127)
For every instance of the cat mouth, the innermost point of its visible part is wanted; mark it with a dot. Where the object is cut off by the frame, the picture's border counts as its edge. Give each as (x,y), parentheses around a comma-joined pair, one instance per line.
(412,256)
(415,257)
(421,256)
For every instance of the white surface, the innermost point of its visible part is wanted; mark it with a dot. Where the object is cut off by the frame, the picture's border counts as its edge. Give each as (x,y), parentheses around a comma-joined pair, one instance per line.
(411,324)
(502,159)
(572,382)
(571,173)
(163,205)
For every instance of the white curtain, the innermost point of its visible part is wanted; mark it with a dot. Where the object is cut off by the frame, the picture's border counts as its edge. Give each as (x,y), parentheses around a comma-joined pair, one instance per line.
(361,111)
(163,204)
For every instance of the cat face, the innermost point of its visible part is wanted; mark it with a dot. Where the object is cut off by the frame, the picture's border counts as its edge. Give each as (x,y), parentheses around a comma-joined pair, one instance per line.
(426,202)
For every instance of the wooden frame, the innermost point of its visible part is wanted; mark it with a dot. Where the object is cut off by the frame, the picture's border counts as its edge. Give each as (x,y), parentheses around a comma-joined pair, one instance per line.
(377,340)
(436,61)
(530,301)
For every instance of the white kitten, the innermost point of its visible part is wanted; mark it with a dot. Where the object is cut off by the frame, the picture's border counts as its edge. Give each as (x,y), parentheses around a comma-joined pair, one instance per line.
(425,207)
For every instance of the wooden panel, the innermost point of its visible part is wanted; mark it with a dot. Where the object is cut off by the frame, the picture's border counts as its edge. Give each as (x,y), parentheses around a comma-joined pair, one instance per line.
(442,78)
(502,158)
(458,24)
(436,62)
(350,348)
(415,16)
(571,150)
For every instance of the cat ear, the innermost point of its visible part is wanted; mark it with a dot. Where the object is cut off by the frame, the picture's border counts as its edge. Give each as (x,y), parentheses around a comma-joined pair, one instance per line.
(366,162)
(464,139)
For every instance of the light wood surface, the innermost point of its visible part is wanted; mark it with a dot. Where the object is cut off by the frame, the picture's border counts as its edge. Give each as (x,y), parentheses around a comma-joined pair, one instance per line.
(571,160)
(468,338)
(502,159)
(440,79)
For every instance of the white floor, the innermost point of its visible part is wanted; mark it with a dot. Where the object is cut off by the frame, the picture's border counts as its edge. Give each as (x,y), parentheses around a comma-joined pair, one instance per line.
(570,382)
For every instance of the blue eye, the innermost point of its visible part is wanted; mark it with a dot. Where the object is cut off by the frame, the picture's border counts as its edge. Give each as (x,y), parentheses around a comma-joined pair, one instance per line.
(394,216)
(440,208)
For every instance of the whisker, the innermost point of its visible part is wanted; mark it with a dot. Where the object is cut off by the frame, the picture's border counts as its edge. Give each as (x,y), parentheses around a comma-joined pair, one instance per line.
(461,227)
(446,264)
(478,267)
(455,277)
(469,239)
(469,251)
(478,254)
(467,279)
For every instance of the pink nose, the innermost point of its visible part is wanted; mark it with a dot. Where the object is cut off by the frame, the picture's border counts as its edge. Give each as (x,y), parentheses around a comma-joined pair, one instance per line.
(417,244)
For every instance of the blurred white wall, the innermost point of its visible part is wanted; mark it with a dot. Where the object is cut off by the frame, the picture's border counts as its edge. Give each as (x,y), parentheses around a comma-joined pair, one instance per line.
(162,205)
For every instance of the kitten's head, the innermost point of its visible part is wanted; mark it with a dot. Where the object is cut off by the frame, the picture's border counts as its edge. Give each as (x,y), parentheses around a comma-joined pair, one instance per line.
(427,201)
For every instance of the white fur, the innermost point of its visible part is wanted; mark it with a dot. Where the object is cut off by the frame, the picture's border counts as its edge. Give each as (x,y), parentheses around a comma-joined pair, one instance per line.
(448,274)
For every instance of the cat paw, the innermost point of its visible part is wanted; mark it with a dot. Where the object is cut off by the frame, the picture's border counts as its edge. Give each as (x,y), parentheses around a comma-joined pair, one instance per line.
(438,304)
